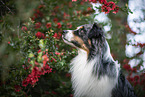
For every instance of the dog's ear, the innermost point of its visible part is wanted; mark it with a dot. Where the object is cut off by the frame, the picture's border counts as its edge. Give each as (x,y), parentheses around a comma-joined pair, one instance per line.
(95,31)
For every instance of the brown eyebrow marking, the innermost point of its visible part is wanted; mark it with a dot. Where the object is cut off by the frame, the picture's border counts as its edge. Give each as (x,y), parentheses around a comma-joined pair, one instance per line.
(79,27)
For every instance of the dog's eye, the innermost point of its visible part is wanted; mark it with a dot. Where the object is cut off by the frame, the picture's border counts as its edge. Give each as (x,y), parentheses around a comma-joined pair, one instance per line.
(79,32)
(82,31)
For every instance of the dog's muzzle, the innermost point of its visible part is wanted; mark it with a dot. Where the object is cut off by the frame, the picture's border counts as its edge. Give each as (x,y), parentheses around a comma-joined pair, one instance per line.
(67,35)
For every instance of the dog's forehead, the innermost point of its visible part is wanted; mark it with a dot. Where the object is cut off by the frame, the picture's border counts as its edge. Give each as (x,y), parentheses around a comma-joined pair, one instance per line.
(86,26)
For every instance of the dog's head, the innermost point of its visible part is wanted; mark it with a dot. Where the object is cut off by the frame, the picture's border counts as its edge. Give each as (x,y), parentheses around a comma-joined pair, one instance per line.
(89,37)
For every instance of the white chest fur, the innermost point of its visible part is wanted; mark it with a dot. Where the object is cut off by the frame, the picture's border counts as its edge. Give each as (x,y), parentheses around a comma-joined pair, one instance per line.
(85,83)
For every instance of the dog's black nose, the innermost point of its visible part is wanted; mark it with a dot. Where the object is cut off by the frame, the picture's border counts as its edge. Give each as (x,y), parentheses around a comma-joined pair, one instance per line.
(64,31)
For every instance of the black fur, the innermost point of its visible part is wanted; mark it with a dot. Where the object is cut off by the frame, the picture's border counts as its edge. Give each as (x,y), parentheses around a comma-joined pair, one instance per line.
(123,88)
(99,48)
(95,32)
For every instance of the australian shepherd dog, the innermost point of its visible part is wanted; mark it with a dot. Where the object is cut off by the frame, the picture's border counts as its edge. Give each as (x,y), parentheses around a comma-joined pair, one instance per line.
(94,71)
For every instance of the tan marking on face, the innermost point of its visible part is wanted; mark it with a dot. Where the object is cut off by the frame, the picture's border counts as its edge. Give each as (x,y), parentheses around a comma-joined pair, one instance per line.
(81,42)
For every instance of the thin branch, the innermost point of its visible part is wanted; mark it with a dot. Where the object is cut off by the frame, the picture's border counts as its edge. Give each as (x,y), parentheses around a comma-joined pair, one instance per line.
(6,7)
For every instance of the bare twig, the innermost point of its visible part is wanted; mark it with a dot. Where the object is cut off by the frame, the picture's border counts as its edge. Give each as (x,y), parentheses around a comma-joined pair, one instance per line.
(7,7)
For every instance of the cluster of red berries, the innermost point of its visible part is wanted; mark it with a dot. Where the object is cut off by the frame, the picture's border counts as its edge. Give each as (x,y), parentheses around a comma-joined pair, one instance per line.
(106,6)
(35,74)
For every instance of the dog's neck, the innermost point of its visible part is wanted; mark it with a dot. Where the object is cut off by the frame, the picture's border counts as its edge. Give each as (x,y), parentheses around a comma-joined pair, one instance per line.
(84,82)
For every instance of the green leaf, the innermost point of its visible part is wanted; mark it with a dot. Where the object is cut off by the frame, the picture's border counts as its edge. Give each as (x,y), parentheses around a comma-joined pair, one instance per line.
(39,58)
(41,44)
(31,55)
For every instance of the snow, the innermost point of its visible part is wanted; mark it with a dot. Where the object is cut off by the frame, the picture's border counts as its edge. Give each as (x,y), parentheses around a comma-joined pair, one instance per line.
(136,22)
